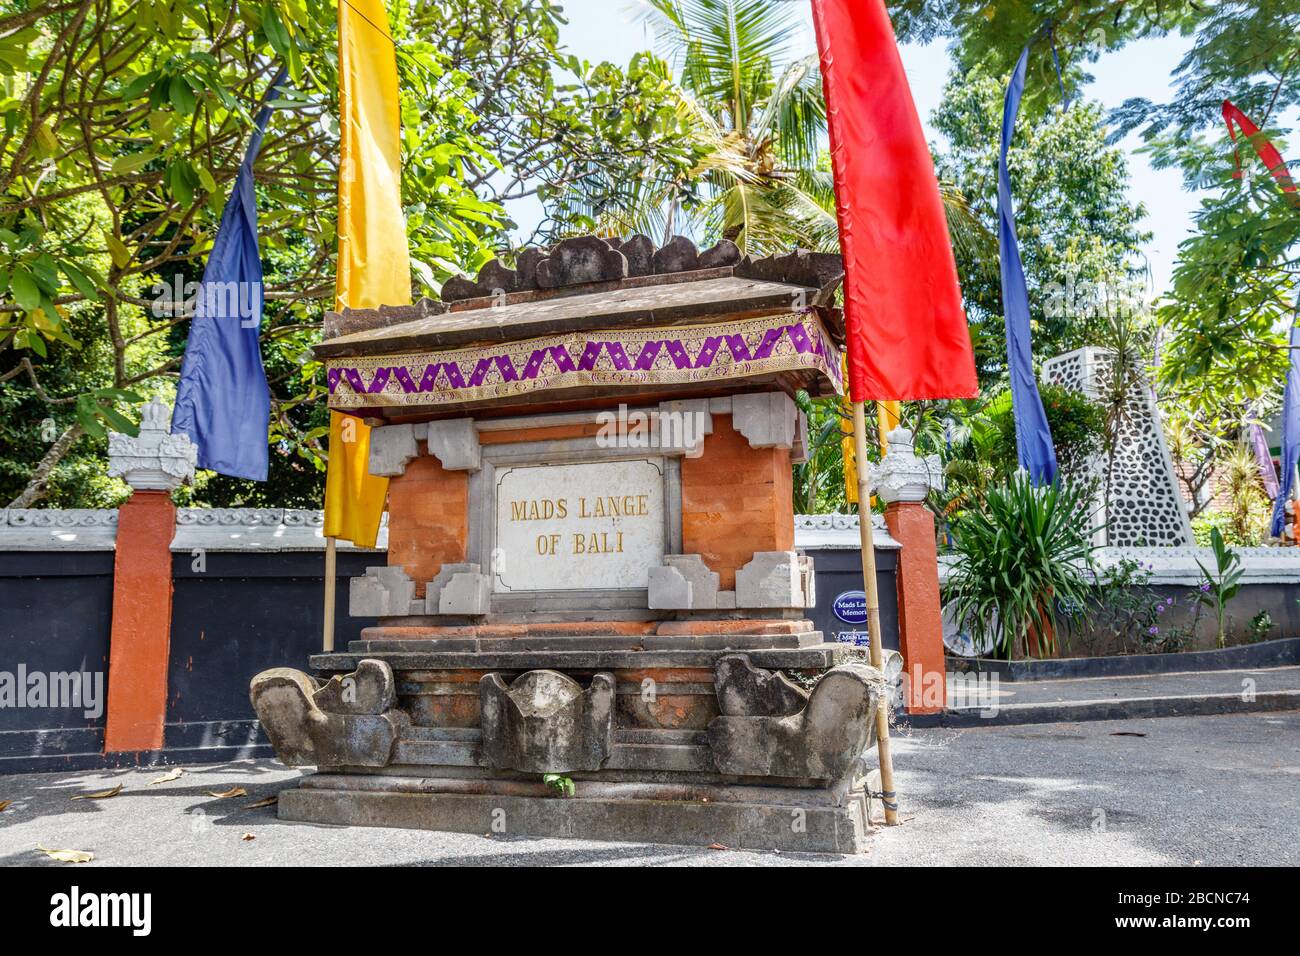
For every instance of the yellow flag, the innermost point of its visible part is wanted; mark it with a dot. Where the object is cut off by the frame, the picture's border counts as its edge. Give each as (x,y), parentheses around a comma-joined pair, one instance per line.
(374,266)
(847,451)
(354,498)
(888,415)
(850,456)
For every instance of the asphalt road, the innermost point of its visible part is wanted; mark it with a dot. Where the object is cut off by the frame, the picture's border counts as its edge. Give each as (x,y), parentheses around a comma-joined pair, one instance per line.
(1196,790)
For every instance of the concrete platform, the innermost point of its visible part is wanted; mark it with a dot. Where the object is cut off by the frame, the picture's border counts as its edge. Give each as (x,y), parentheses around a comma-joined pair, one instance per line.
(741,817)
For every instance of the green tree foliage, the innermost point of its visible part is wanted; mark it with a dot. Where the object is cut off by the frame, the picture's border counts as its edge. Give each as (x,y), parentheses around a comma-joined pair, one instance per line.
(1078,430)
(1232,303)
(1079,231)
(123,129)
(762,114)
(587,140)
(1228,311)
(122,126)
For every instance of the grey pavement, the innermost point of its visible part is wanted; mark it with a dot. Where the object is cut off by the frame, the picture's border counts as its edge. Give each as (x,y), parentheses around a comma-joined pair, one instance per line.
(975,699)
(1193,683)
(1195,790)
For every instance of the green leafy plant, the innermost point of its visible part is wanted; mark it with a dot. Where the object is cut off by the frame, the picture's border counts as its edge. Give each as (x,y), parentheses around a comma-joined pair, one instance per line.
(1023,561)
(1128,610)
(1259,626)
(1220,586)
(1078,427)
(559,783)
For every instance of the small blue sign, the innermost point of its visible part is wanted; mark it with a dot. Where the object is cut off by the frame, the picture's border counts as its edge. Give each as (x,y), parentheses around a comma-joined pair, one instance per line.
(851,607)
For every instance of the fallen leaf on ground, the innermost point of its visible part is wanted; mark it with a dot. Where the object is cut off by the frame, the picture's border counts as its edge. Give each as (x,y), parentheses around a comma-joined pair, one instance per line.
(99,794)
(4,805)
(717,846)
(268,802)
(232,792)
(170,775)
(248,836)
(68,856)
(1127,733)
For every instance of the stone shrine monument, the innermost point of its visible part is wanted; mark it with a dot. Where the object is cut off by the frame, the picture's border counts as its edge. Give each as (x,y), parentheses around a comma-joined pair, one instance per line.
(592,622)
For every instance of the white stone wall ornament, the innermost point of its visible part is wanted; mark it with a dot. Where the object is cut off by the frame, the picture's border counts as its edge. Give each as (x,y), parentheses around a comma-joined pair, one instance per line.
(257,529)
(902,475)
(766,419)
(840,531)
(155,459)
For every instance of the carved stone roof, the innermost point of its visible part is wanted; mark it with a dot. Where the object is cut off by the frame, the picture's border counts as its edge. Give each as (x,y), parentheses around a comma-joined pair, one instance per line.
(588,259)
(586,282)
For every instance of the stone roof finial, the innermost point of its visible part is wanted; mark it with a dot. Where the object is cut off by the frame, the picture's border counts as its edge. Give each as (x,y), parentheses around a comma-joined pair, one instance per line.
(153,460)
(902,475)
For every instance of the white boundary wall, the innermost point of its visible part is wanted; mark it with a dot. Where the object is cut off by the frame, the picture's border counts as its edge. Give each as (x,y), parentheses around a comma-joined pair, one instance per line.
(290,529)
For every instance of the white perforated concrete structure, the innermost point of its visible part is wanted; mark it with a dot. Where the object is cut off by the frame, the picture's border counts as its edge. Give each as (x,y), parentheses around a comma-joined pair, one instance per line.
(1145,508)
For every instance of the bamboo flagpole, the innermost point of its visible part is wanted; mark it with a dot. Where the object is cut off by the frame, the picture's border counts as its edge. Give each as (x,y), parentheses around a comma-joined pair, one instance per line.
(888,797)
(331,584)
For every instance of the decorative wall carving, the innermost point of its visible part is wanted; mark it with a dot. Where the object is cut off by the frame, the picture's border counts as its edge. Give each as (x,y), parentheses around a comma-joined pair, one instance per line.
(633,357)
(771,728)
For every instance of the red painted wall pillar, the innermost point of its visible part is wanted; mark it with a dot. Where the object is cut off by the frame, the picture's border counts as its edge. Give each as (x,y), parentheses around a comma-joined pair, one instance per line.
(902,480)
(142,621)
(153,463)
(920,615)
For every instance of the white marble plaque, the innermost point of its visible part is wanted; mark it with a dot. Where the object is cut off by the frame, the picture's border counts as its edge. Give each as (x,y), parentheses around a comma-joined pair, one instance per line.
(594,525)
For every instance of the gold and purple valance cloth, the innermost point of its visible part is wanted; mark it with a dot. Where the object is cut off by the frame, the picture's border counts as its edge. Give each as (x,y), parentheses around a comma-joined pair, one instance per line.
(673,355)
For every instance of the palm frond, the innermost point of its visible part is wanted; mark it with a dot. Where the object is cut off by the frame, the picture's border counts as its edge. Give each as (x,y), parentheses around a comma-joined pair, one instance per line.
(969,235)
(794,114)
(725,49)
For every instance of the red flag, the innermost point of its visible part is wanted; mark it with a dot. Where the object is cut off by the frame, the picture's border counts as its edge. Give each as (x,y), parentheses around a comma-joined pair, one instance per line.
(907,332)
(1267,152)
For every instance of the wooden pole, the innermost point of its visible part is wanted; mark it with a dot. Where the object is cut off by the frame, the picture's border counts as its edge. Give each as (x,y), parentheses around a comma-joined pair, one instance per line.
(888,797)
(331,582)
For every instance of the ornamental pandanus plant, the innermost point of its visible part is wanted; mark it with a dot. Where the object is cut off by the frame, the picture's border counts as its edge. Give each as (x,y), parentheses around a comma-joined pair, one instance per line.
(1023,563)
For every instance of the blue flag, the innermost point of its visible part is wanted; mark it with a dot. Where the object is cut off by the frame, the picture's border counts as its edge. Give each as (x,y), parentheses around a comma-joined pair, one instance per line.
(222,401)
(1290,431)
(1033,437)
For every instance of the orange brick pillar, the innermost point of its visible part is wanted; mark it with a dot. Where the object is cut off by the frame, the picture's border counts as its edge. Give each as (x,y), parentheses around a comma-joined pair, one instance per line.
(920,617)
(153,463)
(902,480)
(142,622)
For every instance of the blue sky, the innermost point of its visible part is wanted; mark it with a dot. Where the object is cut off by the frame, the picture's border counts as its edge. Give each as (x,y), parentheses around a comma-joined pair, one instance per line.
(606,30)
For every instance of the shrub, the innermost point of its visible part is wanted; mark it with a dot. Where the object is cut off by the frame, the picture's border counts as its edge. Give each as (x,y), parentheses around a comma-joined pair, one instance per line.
(1023,561)
(1078,427)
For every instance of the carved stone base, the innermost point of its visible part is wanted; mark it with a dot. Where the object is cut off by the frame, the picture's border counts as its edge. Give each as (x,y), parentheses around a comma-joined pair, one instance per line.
(742,817)
(684,737)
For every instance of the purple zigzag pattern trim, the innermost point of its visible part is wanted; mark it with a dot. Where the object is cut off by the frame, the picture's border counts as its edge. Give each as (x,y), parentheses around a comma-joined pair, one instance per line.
(451,373)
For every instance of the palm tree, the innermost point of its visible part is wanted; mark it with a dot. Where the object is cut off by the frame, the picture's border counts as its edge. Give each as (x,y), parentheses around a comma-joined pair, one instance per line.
(759,118)
(762,115)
